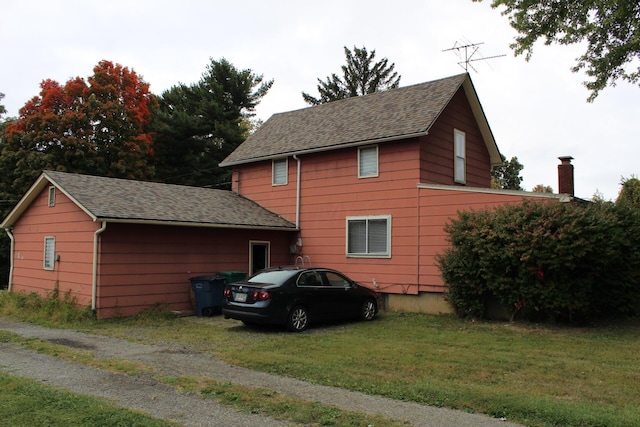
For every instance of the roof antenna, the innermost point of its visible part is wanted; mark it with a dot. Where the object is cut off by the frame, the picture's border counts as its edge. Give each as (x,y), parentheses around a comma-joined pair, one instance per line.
(470,50)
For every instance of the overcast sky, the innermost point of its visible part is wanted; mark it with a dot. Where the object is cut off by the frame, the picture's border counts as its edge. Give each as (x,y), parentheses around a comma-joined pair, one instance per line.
(537,110)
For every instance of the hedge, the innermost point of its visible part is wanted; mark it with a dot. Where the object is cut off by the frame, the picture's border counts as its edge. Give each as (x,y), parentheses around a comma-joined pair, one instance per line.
(572,261)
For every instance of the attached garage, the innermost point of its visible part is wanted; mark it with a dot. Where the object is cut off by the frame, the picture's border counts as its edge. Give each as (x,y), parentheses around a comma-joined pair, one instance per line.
(121,246)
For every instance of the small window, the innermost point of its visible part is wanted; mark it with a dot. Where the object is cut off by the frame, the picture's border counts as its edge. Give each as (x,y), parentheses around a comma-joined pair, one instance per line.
(49,253)
(368,162)
(280,169)
(369,236)
(52,196)
(460,160)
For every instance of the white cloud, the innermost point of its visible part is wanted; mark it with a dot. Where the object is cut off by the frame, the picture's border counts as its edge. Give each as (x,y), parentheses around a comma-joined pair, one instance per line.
(537,110)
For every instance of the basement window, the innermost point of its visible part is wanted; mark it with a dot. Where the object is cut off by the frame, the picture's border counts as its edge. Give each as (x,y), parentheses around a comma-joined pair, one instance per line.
(369,236)
(49,253)
(52,196)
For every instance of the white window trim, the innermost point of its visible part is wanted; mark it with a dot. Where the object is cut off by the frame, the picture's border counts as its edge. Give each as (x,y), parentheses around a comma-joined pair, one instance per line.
(49,258)
(459,176)
(273,171)
(52,196)
(386,254)
(377,172)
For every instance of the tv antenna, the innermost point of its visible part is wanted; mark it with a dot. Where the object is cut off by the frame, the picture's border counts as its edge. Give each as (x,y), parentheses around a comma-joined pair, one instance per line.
(470,50)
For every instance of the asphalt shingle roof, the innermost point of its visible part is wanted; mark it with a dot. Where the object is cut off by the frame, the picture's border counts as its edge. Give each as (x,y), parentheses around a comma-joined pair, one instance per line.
(392,114)
(113,199)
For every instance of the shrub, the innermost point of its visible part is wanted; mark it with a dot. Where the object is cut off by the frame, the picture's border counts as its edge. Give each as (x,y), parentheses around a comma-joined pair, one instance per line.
(563,260)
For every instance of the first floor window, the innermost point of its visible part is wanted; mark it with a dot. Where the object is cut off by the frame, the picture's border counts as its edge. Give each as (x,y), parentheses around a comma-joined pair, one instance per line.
(49,252)
(369,236)
(280,172)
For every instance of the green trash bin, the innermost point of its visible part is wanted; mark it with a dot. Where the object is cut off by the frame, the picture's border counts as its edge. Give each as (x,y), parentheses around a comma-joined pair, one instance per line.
(208,292)
(233,276)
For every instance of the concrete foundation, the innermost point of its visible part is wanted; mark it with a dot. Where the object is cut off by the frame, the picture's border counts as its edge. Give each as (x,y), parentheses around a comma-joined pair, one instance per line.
(425,302)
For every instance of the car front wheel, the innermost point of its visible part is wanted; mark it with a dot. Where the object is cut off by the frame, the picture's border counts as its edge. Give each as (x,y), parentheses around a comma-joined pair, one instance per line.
(298,319)
(368,311)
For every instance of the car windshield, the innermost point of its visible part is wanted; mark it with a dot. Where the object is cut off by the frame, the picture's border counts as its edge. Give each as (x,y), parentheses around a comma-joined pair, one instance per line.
(277,277)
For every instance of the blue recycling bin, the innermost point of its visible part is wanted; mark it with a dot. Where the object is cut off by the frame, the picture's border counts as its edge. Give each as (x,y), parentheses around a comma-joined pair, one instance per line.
(208,292)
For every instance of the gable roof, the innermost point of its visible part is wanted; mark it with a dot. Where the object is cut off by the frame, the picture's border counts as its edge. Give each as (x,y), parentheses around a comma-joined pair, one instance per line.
(122,200)
(382,116)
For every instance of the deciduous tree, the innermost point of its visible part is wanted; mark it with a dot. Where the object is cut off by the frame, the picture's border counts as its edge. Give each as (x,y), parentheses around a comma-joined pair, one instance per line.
(98,127)
(507,175)
(360,76)
(629,193)
(610,30)
(540,188)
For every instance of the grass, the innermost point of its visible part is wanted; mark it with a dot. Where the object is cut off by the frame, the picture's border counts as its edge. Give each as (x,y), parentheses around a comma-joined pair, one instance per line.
(25,403)
(537,375)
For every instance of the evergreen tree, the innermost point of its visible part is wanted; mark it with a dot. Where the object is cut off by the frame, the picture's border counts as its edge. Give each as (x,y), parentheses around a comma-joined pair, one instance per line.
(197,126)
(360,76)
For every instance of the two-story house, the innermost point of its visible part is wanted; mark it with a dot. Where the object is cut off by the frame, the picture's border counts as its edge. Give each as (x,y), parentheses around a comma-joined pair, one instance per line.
(364,185)
(371,181)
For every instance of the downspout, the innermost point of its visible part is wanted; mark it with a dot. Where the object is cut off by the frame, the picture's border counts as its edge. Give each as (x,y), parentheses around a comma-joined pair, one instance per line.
(296,158)
(94,278)
(12,245)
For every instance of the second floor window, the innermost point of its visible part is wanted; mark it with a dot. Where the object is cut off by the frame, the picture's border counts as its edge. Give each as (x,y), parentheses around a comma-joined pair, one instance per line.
(280,169)
(460,157)
(52,196)
(368,162)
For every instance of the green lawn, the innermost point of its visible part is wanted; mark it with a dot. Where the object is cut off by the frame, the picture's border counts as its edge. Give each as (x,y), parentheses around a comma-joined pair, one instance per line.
(537,375)
(25,403)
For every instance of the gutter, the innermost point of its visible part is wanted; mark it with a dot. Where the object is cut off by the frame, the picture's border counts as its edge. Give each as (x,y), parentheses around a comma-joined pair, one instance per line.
(322,149)
(13,244)
(296,158)
(94,278)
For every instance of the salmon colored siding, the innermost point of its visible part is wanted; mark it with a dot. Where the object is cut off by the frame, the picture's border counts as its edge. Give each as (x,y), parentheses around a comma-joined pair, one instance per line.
(331,192)
(436,165)
(143,265)
(138,265)
(73,231)
(439,206)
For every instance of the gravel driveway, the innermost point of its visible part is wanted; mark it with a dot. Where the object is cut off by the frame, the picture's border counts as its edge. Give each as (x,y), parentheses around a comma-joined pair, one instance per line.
(144,393)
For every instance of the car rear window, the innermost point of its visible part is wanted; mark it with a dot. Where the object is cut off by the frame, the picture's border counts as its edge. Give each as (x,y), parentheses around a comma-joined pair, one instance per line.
(277,277)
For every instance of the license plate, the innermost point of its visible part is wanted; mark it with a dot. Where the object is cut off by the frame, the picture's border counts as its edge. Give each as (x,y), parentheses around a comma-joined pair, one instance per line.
(240,297)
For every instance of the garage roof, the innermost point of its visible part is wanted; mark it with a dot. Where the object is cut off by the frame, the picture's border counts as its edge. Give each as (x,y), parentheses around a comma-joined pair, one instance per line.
(122,200)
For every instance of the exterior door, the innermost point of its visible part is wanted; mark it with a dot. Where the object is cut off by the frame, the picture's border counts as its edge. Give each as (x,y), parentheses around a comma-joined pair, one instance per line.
(259,256)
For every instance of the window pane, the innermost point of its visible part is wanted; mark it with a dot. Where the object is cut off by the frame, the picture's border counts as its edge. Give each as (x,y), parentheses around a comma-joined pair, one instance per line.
(357,243)
(280,171)
(368,162)
(49,252)
(460,174)
(377,236)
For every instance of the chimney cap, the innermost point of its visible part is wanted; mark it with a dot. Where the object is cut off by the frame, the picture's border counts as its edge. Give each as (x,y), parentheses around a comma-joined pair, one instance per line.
(565,159)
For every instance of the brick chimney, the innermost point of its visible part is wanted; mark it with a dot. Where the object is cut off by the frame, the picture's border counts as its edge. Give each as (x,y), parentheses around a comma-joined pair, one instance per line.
(565,176)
